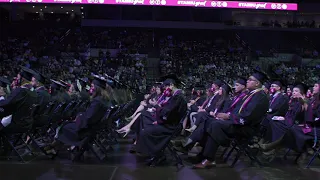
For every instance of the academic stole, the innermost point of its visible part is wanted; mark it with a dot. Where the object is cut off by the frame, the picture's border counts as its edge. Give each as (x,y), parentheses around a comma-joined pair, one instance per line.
(245,103)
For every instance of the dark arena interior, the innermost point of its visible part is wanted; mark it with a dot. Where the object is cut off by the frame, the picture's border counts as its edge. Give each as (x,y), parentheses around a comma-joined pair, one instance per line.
(159,89)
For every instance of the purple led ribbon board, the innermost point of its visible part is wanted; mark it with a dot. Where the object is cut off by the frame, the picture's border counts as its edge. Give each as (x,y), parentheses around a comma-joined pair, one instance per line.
(198,3)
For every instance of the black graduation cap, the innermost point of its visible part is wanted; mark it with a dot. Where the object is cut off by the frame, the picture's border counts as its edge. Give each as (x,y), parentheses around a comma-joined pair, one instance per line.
(171,79)
(290,86)
(227,88)
(57,85)
(218,82)
(83,82)
(99,81)
(260,76)
(242,80)
(267,84)
(4,82)
(278,82)
(27,73)
(199,87)
(302,86)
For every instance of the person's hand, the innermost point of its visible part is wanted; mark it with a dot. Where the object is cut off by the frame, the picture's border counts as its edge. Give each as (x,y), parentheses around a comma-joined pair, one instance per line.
(155,123)
(223,116)
(212,113)
(201,110)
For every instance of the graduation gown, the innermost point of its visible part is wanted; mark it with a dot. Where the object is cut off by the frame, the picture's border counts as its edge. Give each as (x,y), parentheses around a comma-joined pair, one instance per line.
(298,136)
(295,115)
(279,105)
(153,137)
(204,120)
(42,114)
(18,104)
(84,95)
(244,119)
(73,132)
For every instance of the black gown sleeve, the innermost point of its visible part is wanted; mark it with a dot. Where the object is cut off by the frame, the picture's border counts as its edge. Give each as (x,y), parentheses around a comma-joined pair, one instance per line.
(11,101)
(253,112)
(85,119)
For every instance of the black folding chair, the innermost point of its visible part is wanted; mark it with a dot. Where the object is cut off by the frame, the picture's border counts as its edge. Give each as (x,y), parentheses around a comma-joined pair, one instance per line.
(19,134)
(170,146)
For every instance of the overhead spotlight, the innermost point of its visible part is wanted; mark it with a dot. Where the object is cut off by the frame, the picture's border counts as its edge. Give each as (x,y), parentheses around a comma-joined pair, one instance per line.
(37,12)
(51,12)
(40,9)
(45,6)
(82,13)
(81,7)
(33,6)
(67,12)
(72,10)
(61,7)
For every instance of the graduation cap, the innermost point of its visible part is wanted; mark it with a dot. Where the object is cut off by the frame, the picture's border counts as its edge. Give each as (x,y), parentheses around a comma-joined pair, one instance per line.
(4,82)
(267,85)
(199,87)
(290,86)
(99,81)
(171,79)
(260,76)
(278,82)
(302,86)
(65,83)
(227,88)
(242,80)
(56,84)
(218,82)
(27,73)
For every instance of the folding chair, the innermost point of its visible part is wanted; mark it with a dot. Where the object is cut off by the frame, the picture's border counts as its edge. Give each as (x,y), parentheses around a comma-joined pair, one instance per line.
(19,134)
(169,146)
(91,140)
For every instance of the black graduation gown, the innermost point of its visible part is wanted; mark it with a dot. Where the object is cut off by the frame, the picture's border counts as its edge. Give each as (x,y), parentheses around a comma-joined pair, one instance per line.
(205,119)
(297,137)
(244,123)
(279,106)
(71,133)
(18,104)
(84,95)
(199,102)
(295,115)
(42,114)
(153,138)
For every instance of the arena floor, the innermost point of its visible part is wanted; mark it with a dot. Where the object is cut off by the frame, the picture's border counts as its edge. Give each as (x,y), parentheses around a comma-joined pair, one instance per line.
(122,165)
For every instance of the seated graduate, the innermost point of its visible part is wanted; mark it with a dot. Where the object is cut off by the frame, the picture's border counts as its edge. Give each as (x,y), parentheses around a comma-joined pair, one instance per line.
(196,101)
(278,104)
(295,115)
(301,136)
(244,120)
(149,101)
(197,135)
(72,132)
(18,104)
(154,131)
(209,105)
(82,85)
(4,92)
(38,81)
(221,106)
(55,88)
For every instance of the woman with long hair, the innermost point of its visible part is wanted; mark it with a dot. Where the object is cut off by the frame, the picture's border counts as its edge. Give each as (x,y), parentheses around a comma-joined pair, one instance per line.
(305,134)
(222,105)
(74,131)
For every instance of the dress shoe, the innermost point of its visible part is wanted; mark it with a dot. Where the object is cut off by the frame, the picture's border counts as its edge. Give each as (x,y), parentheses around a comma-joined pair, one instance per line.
(205,164)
